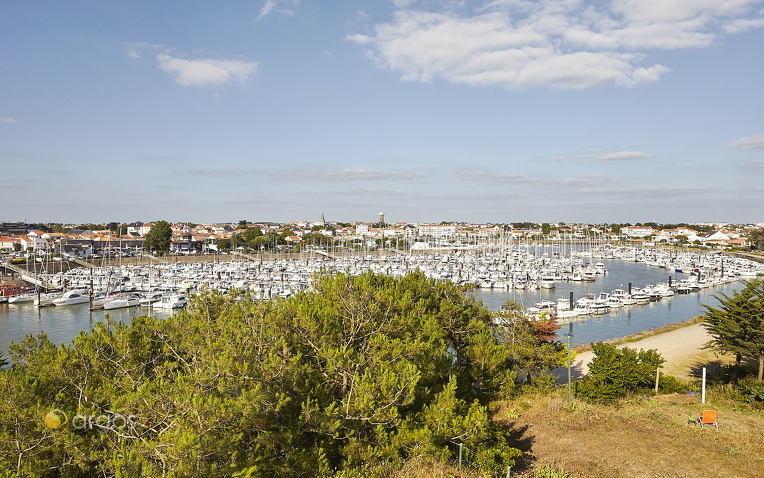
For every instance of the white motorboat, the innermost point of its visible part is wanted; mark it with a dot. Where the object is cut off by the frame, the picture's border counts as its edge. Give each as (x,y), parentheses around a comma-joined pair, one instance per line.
(121,301)
(172,301)
(72,297)
(547,281)
(150,298)
(46,300)
(22,298)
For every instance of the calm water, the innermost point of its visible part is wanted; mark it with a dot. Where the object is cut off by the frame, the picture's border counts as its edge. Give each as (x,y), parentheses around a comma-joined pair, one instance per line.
(619,322)
(62,324)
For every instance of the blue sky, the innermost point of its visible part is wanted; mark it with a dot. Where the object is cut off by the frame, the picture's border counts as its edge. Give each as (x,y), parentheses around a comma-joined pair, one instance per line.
(490,111)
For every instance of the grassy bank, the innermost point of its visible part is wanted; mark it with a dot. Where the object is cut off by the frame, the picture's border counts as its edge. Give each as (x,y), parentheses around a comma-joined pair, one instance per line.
(639,437)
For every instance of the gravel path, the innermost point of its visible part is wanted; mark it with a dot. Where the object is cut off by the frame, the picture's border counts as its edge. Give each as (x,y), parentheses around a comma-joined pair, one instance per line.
(675,346)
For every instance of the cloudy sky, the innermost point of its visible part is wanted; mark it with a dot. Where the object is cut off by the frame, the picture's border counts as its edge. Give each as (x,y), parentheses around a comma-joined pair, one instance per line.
(429,110)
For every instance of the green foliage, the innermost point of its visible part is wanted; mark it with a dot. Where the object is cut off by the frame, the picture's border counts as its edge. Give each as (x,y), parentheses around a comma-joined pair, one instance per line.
(525,225)
(550,471)
(361,373)
(756,237)
(316,238)
(670,384)
(545,228)
(615,372)
(531,350)
(236,240)
(252,233)
(159,237)
(751,390)
(737,325)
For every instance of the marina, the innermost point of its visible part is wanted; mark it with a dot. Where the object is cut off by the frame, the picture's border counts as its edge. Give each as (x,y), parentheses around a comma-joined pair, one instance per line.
(616,291)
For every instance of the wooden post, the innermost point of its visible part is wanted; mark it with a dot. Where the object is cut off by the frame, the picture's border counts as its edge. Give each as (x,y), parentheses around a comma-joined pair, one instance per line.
(657,378)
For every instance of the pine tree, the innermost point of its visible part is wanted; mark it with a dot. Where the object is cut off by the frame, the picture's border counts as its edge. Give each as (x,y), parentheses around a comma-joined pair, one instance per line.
(737,325)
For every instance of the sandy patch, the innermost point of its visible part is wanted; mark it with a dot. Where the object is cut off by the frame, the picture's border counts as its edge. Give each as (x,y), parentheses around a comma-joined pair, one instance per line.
(682,348)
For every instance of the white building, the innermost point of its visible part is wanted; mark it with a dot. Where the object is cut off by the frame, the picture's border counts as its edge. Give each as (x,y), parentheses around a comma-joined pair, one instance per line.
(437,230)
(637,231)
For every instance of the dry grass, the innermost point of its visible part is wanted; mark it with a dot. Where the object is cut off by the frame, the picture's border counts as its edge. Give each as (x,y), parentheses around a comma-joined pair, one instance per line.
(420,467)
(637,438)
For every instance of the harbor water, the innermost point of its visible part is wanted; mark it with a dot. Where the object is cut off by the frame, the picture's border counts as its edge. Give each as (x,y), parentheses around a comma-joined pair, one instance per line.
(62,324)
(618,322)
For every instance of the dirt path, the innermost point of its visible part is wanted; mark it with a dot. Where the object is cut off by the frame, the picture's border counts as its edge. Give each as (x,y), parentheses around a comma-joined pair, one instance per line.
(682,349)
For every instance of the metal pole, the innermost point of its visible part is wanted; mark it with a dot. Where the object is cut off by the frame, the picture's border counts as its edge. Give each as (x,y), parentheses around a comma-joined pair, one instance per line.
(460,456)
(569,394)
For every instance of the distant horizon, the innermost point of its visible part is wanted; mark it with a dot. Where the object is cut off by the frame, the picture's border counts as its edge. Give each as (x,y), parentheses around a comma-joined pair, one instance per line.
(622,223)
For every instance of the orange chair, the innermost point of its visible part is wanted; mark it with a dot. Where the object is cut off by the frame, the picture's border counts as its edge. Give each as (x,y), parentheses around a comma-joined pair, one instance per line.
(709,418)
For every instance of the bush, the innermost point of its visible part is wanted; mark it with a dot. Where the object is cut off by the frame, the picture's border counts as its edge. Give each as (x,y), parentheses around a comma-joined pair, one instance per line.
(614,372)
(751,390)
(670,384)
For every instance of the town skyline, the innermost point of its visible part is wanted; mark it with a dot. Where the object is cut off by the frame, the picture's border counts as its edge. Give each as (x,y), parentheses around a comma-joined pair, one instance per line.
(576,111)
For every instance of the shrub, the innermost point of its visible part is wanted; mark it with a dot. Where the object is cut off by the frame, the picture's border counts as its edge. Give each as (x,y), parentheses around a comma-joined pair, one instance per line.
(751,390)
(670,384)
(615,372)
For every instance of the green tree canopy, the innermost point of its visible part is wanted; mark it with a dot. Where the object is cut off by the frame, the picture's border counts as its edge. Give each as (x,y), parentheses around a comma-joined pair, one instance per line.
(236,240)
(159,237)
(756,237)
(737,323)
(252,233)
(361,372)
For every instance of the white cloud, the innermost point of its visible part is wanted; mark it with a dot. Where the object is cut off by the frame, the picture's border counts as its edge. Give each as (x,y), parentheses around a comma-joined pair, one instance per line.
(751,165)
(619,156)
(345,174)
(135,50)
(358,38)
(207,71)
(320,174)
(751,143)
(7,120)
(269,5)
(491,176)
(743,24)
(558,43)
(648,75)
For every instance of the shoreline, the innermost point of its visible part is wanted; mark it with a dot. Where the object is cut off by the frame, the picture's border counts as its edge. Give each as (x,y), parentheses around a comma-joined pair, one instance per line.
(636,337)
(681,345)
